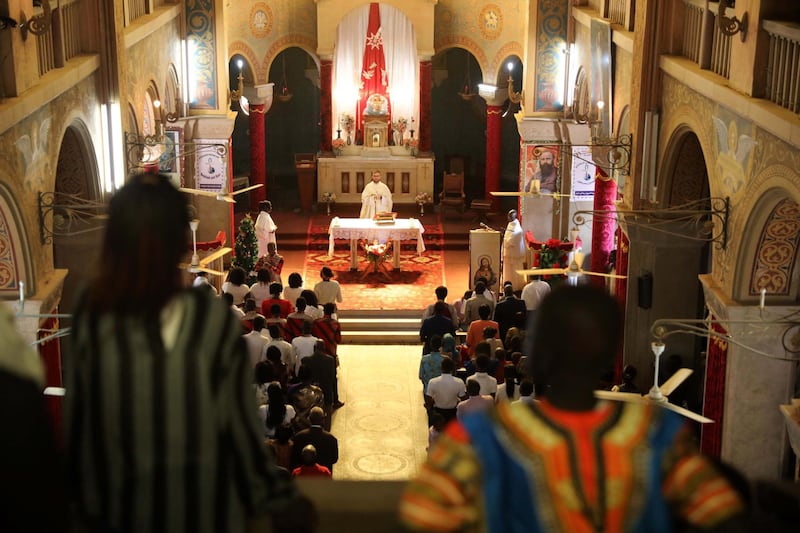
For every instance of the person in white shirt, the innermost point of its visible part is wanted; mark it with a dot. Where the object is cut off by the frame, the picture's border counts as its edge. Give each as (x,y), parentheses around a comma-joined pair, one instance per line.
(534,292)
(265,227)
(259,290)
(509,390)
(526,392)
(256,342)
(328,290)
(236,285)
(513,251)
(375,198)
(312,308)
(488,383)
(228,299)
(295,288)
(287,353)
(476,401)
(303,346)
(444,392)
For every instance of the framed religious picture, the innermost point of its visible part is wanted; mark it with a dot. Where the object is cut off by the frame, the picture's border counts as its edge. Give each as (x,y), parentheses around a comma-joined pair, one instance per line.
(211,165)
(583,170)
(171,161)
(540,169)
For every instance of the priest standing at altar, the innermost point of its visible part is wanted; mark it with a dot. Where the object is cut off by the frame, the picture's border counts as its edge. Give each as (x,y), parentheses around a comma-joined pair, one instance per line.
(376,197)
(513,251)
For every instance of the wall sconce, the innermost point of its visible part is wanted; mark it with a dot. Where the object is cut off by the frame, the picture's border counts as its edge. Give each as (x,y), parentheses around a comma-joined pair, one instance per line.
(237,94)
(37,25)
(515,97)
(730,26)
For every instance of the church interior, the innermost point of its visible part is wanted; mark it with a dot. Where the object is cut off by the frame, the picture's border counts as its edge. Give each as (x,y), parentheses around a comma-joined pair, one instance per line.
(661,137)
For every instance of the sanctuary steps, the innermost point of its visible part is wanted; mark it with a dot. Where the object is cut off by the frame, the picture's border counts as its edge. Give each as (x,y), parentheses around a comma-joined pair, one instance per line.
(380,326)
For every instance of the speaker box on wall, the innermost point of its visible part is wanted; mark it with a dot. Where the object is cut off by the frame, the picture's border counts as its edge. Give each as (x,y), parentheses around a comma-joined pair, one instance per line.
(645,290)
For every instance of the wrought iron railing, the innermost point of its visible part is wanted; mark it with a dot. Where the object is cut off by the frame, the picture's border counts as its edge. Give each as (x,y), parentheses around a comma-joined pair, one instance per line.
(783,66)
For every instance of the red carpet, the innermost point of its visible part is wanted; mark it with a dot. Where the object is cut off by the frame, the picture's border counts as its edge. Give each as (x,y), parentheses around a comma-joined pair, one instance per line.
(409,288)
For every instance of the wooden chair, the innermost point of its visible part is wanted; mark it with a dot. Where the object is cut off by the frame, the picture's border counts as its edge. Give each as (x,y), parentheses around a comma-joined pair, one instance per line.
(452,195)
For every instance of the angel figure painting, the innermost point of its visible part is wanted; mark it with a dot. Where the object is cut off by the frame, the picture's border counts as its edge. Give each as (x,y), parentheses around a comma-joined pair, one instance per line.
(734,151)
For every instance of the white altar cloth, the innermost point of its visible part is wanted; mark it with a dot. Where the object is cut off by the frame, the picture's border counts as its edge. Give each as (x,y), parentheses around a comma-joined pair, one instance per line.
(353,229)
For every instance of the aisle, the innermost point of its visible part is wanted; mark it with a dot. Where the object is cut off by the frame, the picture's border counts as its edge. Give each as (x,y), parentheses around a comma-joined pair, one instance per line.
(382,427)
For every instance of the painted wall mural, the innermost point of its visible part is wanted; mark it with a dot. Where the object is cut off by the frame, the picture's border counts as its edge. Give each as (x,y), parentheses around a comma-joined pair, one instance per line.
(551,33)
(777,250)
(202,53)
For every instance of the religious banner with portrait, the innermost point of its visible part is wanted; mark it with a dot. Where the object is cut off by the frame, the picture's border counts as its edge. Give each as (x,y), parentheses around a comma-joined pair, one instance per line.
(484,257)
(210,166)
(583,171)
(540,165)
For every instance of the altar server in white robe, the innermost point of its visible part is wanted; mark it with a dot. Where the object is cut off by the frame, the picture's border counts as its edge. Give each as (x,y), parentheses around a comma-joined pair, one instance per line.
(376,197)
(265,227)
(513,251)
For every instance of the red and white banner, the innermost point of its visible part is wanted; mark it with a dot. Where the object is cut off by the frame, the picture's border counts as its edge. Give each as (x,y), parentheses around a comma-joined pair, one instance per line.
(374,78)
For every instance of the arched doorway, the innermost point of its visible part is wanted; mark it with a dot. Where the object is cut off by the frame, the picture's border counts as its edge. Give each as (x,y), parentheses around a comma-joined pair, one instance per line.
(665,261)
(77,236)
(293,122)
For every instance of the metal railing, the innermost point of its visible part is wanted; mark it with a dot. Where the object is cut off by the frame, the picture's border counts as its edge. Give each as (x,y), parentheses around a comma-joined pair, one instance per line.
(136,9)
(783,65)
(617,10)
(62,41)
(692,30)
(720,47)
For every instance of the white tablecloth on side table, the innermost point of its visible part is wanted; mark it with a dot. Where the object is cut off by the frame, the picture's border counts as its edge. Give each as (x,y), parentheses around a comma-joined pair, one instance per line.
(353,229)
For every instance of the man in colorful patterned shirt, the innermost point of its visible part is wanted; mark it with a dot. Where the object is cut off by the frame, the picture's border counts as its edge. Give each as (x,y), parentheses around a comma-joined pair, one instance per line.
(569,463)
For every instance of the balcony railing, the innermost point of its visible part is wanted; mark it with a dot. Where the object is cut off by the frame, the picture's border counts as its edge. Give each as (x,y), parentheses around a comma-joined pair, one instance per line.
(136,9)
(62,41)
(621,12)
(783,66)
(703,42)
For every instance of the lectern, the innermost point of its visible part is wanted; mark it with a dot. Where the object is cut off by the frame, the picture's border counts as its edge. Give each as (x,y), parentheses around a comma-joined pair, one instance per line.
(306,167)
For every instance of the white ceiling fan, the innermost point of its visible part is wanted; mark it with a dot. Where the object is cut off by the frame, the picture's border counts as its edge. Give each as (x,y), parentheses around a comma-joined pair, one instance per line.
(658,395)
(224,197)
(573,271)
(197,264)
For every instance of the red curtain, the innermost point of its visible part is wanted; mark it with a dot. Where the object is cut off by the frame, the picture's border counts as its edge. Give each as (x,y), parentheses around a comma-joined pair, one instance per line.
(326,103)
(621,289)
(425,106)
(258,156)
(50,353)
(493,144)
(605,192)
(374,78)
(714,397)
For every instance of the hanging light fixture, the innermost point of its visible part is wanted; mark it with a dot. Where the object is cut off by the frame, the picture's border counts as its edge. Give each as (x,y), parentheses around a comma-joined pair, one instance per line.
(467,94)
(283,92)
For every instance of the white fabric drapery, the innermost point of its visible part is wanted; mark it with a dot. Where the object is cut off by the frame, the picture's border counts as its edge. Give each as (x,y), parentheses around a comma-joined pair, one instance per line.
(400,48)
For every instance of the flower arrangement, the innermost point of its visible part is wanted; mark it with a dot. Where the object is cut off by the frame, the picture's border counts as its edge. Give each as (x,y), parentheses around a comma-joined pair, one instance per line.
(346,121)
(338,145)
(376,252)
(411,144)
(400,125)
(422,198)
(329,197)
(552,255)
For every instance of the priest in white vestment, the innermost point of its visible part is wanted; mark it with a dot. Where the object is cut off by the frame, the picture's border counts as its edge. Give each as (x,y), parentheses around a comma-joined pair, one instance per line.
(513,251)
(375,198)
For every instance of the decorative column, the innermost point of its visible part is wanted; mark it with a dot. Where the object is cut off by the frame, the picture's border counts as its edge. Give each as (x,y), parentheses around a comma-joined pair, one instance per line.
(605,192)
(425,106)
(260,103)
(621,290)
(325,104)
(493,139)
(258,156)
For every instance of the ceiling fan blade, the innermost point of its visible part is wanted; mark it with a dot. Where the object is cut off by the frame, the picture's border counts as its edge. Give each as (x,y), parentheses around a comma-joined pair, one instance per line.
(194,269)
(250,188)
(54,391)
(213,256)
(504,193)
(675,380)
(198,192)
(685,412)
(619,396)
(602,274)
(542,272)
(226,198)
(211,271)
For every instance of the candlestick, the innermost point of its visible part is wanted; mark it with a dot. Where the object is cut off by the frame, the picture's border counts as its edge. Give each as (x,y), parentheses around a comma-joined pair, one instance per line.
(763,297)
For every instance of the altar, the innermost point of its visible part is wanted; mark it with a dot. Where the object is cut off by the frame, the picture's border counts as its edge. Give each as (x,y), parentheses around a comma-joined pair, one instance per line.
(345,176)
(353,229)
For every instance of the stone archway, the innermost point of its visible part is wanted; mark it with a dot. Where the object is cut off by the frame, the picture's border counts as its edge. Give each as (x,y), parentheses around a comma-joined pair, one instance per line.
(76,242)
(664,268)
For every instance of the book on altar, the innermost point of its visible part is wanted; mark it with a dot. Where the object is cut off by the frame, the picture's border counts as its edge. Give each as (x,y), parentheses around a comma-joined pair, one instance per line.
(385,217)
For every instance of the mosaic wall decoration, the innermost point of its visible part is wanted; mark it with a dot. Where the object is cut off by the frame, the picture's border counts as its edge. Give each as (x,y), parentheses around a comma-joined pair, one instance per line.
(260,20)
(10,259)
(551,34)
(490,21)
(776,257)
(201,40)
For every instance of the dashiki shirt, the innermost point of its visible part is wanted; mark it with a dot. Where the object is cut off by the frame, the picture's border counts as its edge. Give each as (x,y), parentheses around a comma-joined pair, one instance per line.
(534,468)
